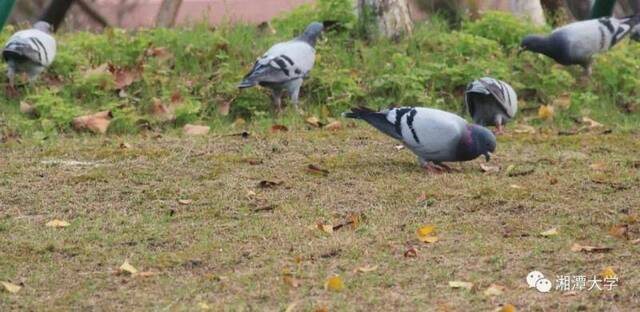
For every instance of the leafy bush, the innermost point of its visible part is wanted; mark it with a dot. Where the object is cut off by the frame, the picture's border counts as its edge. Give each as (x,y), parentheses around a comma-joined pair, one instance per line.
(502,27)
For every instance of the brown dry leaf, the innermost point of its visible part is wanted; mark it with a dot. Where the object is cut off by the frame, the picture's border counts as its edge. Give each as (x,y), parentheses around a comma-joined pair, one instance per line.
(489,169)
(11,287)
(311,168)
(279,128)
(591,124)
(190,129)
(290,280)
(578,248)
(27,108)
(126,267)
(636,241)
(333,126)
(334,283)
(239,122)
(563,101)
(322,309)
(620,231)
(608,273)
(268,184)
(124,77)
(461,284)
(158,52)
(546,112)
(550,232)
(313,121)
(96,123)
(125,145)
(55,223)
(599,166)
(366,268)
(411,253)
(494,290)
(327,228)
(146,274)
(185,201)
(161,111)
(102,69)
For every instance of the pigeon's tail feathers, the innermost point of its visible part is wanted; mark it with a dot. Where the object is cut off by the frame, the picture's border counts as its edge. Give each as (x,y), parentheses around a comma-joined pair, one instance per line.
(377,119)
(20,50)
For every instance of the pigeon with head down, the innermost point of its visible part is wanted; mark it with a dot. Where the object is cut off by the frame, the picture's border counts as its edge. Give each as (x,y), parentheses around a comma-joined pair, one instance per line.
(285,65)
(435,136)
(578,42)
(491,102)
(29,51)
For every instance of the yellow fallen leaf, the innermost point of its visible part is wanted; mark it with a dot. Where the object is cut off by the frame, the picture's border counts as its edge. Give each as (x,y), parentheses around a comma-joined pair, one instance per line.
(426,230)
(366,268)
(428,239)
(608,272)
(619,231)
(546,112)
(592,124)
(204,306)
(506,308)
(334,283)
(461,284)
(190,129)
(313,121)
(494,290)
(327,228)
(128,268)
(10,287)
(550,232)
(333,126)
(57,223)
(578,248)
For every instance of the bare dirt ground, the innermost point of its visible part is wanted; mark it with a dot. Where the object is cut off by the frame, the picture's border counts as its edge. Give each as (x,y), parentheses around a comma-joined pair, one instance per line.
(192,216)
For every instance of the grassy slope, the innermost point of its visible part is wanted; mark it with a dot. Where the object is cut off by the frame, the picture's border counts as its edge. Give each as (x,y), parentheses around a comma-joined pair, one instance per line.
(220,251)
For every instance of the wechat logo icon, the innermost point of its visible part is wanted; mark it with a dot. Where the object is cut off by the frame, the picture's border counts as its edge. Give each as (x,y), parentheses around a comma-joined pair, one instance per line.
(535,279)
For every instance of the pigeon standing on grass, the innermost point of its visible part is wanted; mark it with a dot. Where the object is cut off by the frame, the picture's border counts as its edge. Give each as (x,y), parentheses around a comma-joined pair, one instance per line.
(29,51)
(285,65)
(491,102)
(435,136)
(576,43)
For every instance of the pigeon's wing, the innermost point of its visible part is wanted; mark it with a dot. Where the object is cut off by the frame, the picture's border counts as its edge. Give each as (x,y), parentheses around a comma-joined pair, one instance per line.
(32,44)
(284,62)
(503,93)
(432,134)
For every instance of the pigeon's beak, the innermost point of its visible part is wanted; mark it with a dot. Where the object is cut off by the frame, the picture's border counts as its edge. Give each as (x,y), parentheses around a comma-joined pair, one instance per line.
(487,156)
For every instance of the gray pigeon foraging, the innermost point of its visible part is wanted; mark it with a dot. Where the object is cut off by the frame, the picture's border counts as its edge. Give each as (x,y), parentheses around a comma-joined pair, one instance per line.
(285,65)
(491,102)
(435,136)
(29,52)
(577,43)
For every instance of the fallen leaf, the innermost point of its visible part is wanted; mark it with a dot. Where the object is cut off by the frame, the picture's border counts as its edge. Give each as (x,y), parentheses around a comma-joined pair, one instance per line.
(290,280)
(161,111)
(333,126)
(185,201)
(608,273)
(620,231)
(525,129)
(239,122)
(506,308)
(204,306)
(268,184)
(366,268)
(313,121)
(578,248)
(516,186)
(399,147)
(636,241)
(322,309)
(550,232)
(126,267)
(27,108)
(546,112)
(279,128)
(190,129)
(428,239)
(591,124)
(570,293)
(563,101)
(327,228)
(489,169)
(124,77)
(461,284)
(494,290)
(426,230)
(124,145)
(334,283)
(411,253)
(102,69)
(317,170)
(57,223)
(96,123)
(10,287)
(599,166)
(158,52)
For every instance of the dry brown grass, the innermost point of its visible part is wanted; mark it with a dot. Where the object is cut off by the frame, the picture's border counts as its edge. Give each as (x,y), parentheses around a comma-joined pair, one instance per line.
(229,248)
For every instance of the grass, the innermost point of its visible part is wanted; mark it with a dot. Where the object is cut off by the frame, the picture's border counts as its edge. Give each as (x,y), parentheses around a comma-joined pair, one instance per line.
(230,248)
